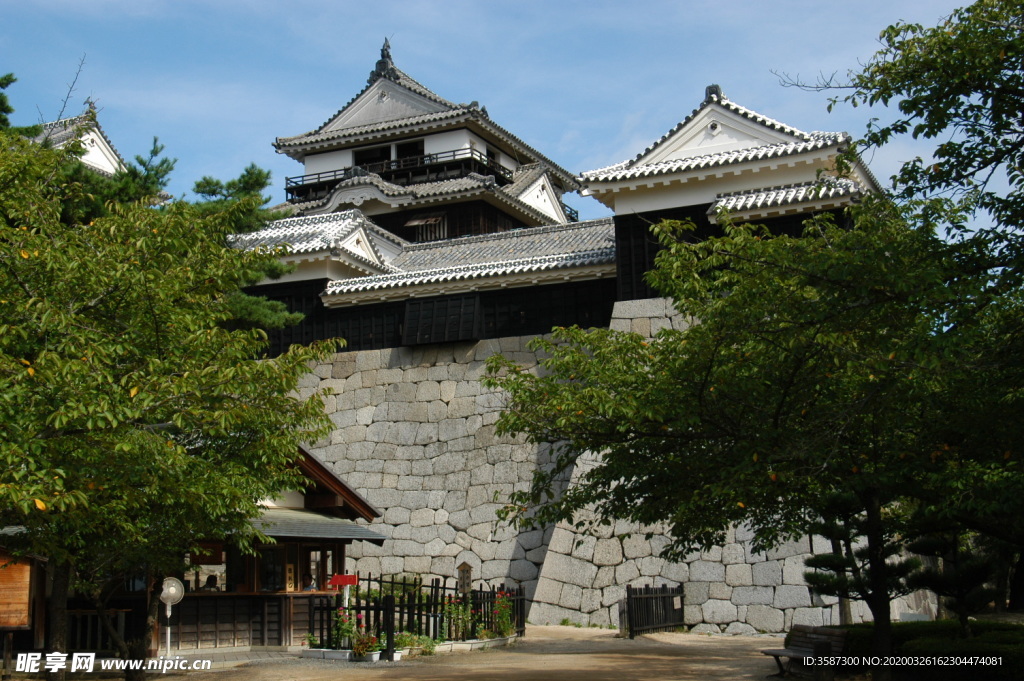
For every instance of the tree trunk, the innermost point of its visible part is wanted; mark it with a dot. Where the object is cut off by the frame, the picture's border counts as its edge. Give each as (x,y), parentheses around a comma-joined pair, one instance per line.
(1017,584)
(845,613)
(57,614)
(878,599)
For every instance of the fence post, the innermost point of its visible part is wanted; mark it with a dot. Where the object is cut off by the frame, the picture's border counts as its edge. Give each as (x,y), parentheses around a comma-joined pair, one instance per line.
(630,612)
(389,626)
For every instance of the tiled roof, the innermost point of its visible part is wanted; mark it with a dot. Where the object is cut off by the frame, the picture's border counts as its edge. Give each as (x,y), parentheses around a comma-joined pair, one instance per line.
(774,197)
(533,249)
(299,523)
(524,178)
(311,234)
(59,133)
(453,113)
(716,97)
(803,142)
(472,183)
(627,169)
(320,135)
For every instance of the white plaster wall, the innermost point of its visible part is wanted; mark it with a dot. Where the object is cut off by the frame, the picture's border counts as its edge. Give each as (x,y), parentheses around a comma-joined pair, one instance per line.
(328,161)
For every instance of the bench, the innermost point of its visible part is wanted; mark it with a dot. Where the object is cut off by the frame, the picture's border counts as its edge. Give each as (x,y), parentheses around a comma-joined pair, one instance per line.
(804,641)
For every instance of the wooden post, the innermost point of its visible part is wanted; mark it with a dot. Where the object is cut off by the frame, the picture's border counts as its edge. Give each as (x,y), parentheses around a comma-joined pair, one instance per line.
(8,647)
(389,627)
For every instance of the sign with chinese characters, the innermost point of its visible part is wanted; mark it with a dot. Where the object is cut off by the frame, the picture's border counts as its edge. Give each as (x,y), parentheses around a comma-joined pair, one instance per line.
(15,592)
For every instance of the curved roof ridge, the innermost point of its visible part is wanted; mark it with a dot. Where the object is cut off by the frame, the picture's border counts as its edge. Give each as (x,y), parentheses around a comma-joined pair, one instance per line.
(508,234)
(474,270)
(625,171)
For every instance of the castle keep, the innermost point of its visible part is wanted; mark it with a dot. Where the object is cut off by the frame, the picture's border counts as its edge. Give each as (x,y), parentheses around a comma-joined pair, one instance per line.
(430,238)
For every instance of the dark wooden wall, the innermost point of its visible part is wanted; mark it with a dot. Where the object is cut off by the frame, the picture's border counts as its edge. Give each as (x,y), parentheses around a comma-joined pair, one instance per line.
(441,319)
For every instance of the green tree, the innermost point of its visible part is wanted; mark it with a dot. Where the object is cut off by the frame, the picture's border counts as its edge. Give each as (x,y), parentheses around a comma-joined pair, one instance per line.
(960,82)
(250,311)
(821,364)
(6,109)
(133,421)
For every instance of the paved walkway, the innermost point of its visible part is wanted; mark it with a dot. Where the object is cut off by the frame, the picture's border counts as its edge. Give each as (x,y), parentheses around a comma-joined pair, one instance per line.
(546,653)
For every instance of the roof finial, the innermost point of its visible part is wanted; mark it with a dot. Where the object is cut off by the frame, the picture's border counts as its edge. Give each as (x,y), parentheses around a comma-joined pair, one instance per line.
(385,67)
(715,91)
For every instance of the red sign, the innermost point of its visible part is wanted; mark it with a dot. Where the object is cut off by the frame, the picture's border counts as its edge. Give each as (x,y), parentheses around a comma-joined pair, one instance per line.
(343,580)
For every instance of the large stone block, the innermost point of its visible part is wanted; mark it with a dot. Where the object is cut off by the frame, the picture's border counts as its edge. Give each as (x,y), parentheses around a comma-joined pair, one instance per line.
(704,571)
(591,600)
(812,617)
(583,547)
(548,591)
(793,570)
(696,593)
(753,595)
(636,546)
(789,548)
(766,574)
(792,597)
(733,554)
(605,577)
(765,618)
(718,611)
(612,595)
(719,591)
(397,515)
(570,570)
(676,572)
(740,629)
(651,566)
(572,597)
(626,573)
(531,539)
(522,571)
(608,551)
(739,574)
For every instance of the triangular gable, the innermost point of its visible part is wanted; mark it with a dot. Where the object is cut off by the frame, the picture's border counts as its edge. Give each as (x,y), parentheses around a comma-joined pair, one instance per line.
(542,196)
(714,129)
(361,244)
(99,154)
(385,100)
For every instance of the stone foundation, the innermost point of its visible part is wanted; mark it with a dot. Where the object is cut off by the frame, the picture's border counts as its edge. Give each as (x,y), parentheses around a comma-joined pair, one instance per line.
(415,434)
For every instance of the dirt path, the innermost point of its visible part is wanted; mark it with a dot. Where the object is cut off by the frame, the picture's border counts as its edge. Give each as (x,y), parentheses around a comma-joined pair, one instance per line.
(550,653)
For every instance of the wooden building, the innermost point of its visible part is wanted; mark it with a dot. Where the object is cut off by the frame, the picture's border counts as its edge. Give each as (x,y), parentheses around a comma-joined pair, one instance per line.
(418,220)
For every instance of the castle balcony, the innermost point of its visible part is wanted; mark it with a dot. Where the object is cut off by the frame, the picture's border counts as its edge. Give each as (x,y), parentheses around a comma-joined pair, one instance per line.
(443,165)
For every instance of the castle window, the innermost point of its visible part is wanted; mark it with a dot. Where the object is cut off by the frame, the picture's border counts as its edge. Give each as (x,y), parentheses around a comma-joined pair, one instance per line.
(368,157)
(429,226)
(412,149)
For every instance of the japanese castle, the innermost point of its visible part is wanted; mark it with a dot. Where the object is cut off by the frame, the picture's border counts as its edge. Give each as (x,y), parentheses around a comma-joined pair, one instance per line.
(419,220)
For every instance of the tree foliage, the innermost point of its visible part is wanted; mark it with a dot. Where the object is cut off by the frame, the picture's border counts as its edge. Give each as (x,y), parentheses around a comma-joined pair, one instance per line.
(133,420)
(960,83)
(845,360)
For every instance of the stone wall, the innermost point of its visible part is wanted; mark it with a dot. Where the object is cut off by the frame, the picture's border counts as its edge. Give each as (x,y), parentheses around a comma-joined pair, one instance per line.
(415,435)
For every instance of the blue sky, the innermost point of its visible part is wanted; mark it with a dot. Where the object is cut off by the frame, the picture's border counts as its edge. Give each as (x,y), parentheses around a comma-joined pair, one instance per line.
(586,83)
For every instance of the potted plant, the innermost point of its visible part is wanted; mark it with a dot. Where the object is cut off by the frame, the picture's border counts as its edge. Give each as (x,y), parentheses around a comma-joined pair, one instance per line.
(365,647)
(343,630)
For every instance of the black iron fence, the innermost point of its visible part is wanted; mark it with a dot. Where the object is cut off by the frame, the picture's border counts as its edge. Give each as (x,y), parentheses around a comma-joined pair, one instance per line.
(433,609)
(651,608)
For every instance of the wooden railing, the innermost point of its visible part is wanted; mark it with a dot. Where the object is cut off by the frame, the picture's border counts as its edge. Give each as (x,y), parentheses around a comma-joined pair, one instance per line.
(435,166)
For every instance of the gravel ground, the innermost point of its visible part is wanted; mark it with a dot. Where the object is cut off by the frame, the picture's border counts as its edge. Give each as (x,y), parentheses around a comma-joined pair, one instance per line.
(548,653)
